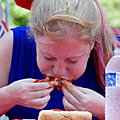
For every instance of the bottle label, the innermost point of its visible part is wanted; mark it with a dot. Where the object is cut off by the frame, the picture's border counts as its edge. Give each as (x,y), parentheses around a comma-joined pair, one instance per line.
(112,79)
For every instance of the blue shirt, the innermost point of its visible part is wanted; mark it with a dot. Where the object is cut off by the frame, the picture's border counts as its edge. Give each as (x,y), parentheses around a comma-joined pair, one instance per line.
(24,65)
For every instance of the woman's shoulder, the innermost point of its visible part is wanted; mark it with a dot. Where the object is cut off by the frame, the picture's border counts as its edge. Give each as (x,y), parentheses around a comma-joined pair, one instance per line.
(6,45)
(22,36)
(19,30)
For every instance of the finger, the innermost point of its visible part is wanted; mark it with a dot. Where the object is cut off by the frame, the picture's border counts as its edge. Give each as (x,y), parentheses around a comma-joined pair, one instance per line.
(70,97)
(31,80)
(68,106)
(38,107)
(28,80)
(74,90)
(40,86)
(43,80)
(84,90)
(39,101)
(39,94)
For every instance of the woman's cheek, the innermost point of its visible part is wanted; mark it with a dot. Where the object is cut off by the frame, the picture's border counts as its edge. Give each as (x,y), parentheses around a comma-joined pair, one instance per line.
(40,62)
(43,64)
(78,71)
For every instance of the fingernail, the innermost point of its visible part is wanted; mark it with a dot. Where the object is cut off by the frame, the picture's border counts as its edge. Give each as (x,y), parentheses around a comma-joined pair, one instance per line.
(56,83)
(47,79)
(62,82)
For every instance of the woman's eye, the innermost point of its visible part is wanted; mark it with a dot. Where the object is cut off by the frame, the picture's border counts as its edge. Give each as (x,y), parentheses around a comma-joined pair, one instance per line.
(49,59)
(73,61)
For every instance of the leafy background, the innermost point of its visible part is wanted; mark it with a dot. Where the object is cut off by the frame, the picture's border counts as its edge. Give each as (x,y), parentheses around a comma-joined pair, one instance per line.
(111,9)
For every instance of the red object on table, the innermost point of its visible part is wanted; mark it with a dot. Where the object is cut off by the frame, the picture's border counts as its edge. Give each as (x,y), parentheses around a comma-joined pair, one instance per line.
(17,119)
(24,3)
(56,110)
(23,119)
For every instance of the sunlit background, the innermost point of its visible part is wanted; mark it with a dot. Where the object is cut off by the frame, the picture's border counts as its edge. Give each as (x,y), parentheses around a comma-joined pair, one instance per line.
(111,10)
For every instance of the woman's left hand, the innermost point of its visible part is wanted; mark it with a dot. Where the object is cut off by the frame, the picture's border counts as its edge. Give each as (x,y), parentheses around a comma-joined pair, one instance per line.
(83,99)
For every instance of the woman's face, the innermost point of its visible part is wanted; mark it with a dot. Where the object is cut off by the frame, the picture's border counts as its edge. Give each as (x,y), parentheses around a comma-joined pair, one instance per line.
(65,60)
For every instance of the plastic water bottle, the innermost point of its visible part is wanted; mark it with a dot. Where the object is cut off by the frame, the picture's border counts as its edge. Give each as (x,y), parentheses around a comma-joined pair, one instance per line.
(112,84)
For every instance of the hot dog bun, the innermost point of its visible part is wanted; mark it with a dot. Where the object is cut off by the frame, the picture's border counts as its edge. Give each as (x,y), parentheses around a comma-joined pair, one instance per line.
(64,115)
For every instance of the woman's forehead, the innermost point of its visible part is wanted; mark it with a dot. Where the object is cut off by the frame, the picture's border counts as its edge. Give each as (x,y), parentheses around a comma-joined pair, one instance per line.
(69,47)
(45,39)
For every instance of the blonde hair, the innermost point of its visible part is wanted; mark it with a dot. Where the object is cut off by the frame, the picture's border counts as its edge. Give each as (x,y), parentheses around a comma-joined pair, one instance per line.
(62,19)
(50,16)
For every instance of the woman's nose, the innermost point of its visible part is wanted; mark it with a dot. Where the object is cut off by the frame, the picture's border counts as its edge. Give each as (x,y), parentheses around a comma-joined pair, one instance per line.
(59,69)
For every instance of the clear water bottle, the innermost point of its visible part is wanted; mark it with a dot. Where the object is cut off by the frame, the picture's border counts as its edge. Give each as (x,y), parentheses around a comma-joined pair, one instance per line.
(112,85)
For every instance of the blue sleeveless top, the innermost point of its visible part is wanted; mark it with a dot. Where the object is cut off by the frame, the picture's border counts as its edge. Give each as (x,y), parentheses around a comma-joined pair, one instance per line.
(24,65)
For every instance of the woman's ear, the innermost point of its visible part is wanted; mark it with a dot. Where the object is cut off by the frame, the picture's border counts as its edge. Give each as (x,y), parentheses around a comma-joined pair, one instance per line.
(92,45)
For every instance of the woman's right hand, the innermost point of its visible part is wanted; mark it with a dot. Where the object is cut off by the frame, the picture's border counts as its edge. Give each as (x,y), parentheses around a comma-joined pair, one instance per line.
(29,94)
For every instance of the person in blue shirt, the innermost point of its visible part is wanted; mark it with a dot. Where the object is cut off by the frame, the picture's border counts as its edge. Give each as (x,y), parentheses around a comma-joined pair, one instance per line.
(66,39)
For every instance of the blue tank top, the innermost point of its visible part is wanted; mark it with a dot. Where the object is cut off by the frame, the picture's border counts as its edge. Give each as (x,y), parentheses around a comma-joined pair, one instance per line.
(24,65)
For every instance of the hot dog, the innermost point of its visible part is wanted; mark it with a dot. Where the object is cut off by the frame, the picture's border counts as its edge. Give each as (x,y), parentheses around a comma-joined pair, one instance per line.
(64,115)
(58,82)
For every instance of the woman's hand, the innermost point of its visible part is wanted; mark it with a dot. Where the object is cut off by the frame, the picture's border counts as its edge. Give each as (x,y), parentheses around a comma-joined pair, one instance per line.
(83,99)
(27,93)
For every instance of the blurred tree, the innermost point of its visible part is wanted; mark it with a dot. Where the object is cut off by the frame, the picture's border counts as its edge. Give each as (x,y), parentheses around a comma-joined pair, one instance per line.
(18,15)
(111,9)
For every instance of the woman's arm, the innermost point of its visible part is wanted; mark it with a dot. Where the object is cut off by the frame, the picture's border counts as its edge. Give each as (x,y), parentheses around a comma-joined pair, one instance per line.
(6,45)
(21,92)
